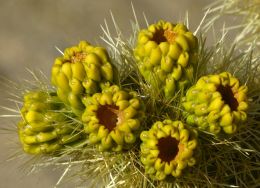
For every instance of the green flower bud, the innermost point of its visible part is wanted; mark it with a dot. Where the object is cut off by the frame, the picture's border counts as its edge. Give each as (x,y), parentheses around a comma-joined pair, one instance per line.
(165,50)
(183,59)
(226,119)
(112,118)
(174,51)
(215,103)
(230,129)
(168,168)
(167,64)
(164,46)
(33,116)
(107,72)
(167,148)
(45,127)
(82,70)
(170,86)
(182,41)
(62,81)
(78,71)
(117,137)
(76,86)
(66,69)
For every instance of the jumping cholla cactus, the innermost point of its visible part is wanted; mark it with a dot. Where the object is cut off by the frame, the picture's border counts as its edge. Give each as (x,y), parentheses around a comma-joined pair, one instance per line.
(167,149)
(82,70)
(45,128)
(113,118)
(165,54)
(216,102)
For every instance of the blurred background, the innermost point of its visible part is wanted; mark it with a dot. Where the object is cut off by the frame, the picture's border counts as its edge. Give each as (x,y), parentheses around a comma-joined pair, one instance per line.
(29,32)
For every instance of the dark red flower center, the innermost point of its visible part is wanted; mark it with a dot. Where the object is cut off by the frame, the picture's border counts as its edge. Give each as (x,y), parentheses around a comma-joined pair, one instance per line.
(228,96)
(108,116)
(168,148)
(164,36)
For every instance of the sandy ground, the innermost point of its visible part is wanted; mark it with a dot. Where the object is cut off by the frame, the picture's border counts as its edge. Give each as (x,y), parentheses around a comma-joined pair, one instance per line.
(29,32)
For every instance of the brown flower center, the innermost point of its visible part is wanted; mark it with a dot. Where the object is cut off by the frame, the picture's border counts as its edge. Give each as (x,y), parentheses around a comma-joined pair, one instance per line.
(164,36)
(168,148)
(228,96)
(78,57)
(108,116)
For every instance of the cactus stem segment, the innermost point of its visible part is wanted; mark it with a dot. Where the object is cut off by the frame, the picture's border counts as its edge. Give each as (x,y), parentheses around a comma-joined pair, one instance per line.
(228,96)
(108,116)
(168,148)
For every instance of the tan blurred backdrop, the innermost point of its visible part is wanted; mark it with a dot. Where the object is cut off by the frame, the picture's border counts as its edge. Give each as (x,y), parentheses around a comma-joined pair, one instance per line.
(29,32)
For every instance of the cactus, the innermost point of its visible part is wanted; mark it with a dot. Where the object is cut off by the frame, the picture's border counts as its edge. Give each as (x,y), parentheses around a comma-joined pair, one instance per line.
(112,118)
(166,54)
(216,102)
(82,70)
(44,127)
(167,148)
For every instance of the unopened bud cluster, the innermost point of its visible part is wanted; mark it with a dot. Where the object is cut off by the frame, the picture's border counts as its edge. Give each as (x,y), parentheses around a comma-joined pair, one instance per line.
(111,117)
(167,149)
(166,54)
(44,128)
(216,102)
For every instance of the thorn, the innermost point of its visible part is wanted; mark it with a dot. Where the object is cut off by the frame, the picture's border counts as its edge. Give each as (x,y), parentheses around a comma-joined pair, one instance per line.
(59,50)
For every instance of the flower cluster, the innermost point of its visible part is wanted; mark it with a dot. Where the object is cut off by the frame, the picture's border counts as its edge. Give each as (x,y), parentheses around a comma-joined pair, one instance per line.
(114,117)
